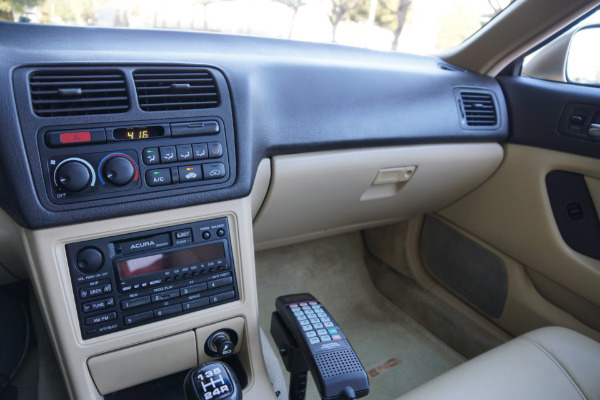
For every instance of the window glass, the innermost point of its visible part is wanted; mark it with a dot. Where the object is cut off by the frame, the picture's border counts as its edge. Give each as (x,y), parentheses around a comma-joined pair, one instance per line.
(413,26)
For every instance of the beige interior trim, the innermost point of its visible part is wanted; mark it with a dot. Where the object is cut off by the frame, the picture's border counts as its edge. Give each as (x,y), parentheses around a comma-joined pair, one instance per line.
(514,32)
(50,277)
(593,185)
(319,194)
(525,309)
(137,364)
(512,213)
(261,186)
(425,280)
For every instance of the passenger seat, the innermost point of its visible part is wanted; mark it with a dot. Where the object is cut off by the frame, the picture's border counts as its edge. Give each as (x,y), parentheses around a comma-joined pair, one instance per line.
(549,363)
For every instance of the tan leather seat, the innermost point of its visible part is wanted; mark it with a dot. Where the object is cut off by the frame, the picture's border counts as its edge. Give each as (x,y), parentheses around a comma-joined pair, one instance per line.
(546,364)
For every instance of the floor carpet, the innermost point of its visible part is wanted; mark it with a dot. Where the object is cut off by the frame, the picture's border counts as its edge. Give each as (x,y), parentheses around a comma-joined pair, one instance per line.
(398,353)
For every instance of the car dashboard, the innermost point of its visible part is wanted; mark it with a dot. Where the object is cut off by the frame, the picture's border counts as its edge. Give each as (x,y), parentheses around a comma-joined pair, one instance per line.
(123,146)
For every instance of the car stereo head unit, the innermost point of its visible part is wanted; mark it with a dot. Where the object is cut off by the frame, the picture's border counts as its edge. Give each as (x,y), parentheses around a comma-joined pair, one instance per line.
(130,280)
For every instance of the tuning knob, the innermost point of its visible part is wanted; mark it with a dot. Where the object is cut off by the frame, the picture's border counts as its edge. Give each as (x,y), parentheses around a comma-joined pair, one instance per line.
(119,169)
(73,174)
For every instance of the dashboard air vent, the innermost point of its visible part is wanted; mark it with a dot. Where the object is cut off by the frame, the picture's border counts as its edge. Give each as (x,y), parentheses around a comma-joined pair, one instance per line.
(176,89)
(479,108)
(60,93)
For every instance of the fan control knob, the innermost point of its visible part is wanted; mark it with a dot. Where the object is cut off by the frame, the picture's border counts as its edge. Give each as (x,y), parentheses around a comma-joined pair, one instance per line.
(73,175)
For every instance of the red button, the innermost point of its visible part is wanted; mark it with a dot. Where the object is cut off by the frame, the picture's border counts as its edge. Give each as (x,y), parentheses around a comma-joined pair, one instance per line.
(76,137)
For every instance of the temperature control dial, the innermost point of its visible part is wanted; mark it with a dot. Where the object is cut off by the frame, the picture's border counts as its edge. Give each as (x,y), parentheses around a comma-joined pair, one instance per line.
(118,169)
(74,175)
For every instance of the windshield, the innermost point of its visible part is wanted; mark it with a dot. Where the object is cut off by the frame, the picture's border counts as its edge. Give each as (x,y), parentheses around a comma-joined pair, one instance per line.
(410,26)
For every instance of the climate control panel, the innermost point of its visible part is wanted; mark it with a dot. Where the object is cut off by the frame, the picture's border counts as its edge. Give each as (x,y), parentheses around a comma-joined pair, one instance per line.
(88,163)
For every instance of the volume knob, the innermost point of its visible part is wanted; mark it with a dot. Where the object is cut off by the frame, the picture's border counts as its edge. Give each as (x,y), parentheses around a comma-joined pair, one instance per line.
(73,174)
(89,260)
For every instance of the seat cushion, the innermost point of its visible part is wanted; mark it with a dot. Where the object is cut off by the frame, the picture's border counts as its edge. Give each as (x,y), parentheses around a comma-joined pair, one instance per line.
(549,363)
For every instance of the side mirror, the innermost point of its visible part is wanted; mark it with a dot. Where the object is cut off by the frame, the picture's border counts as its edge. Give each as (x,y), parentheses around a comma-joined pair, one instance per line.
(583,60)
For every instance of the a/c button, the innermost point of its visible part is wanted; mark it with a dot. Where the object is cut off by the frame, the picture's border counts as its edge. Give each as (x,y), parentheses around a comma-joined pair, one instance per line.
(158,177)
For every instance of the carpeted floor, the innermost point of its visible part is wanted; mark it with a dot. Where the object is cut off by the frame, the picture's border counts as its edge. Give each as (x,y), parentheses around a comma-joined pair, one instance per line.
(399,353)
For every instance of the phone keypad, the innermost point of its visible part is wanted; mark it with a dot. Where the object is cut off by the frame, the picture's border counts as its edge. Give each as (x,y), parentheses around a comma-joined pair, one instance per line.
(315,322)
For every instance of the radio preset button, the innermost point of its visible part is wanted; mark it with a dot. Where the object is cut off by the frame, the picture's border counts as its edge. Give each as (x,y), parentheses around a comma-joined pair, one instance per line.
(184,152)
(215,150)
(158,177)
(190,305)
(220,282)
(193,289)
(222,297)
(138,301)
(166,311)
(137,318)
(168,154)
(98,319)
(151,156)
(165,295)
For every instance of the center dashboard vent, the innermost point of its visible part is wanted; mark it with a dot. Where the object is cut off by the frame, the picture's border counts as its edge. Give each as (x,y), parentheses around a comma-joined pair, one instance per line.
(60,93)
(176,89)
(477,108)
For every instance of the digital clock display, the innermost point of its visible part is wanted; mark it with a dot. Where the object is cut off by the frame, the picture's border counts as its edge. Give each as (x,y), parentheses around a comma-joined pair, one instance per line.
(144,132)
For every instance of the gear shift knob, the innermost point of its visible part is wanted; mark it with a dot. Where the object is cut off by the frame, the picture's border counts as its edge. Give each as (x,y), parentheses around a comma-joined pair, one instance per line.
(213,380)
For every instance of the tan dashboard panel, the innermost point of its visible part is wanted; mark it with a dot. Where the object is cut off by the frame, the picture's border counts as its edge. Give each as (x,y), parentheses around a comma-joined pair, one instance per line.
(49,272)
(320,194)
(261,186)
(137,364)
(512,213)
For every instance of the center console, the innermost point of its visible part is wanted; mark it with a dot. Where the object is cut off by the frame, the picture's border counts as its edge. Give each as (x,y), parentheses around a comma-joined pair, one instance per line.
(133,299)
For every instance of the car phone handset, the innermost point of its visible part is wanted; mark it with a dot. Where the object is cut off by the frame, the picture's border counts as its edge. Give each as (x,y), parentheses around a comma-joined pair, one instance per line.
(308,338)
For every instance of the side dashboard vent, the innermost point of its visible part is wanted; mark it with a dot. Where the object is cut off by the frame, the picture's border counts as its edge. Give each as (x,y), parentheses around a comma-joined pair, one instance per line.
(176,89)
(478,108)
(60,93)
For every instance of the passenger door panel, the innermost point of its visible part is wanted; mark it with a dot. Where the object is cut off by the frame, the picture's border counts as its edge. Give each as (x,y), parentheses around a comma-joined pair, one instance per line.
(541,206)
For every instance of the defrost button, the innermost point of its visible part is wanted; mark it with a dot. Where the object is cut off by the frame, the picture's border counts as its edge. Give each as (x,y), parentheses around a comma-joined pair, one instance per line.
(215,150)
